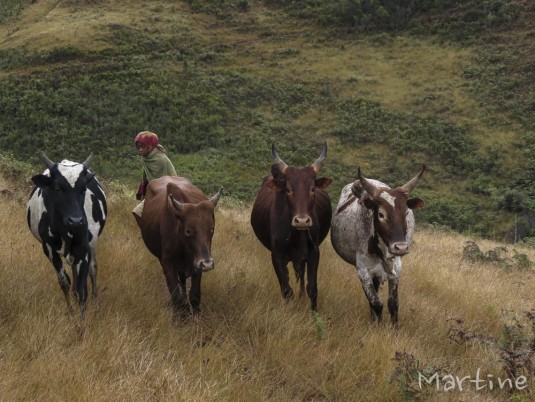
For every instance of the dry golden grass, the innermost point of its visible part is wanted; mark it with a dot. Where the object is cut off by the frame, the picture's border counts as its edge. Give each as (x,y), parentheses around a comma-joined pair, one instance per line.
(248,344)
(51,23)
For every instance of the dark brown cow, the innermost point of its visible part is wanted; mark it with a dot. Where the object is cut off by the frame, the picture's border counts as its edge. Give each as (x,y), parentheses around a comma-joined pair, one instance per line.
(177,226)
(291,217)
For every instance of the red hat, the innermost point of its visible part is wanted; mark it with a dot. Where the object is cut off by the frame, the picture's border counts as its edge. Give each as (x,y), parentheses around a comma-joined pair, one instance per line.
(147,138)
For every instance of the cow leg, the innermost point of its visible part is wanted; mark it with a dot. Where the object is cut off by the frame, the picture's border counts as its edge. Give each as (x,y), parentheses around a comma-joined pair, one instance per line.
(281,269)
(63,277)
(93,267)
(183,307)
(177,289)
(312,278)
(195,293)
(300,275)
(393,303)
(369,287)
(80,269)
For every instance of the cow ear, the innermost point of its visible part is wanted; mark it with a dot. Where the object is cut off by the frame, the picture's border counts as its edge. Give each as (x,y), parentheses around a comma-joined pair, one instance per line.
(278,181)
(42,181)
(357,189)
(175,206)
(89,177)
(278,176)
(368,203)
(276,184)
(323,182)
(415,203)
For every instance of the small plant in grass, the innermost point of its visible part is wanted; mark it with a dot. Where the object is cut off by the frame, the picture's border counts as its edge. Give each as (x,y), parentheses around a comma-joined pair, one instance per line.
(498,255)
(407,374)
(319,324)
(514,348)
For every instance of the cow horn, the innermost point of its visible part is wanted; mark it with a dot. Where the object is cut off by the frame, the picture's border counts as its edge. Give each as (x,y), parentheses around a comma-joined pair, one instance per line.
(278,161)
(178,205)
(318,164)
(410,185)
(215,198)
(47,161)
(88,161)
(370,188)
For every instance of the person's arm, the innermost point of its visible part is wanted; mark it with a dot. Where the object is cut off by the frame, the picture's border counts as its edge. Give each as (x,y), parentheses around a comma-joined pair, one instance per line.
(142,188)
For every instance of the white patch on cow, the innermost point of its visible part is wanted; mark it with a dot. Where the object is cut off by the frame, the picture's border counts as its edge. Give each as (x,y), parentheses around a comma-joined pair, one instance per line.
(93,226)
(37,209)
(384,249)
(61,275)
(392,268)
(388,198)
(49,251)
(350,234)
(63,249)
(410,225)
(70,170)
(77,267)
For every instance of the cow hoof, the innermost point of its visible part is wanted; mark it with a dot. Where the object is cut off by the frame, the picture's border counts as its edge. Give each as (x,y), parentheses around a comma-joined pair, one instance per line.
(181,313)
(179,318)
(288,294)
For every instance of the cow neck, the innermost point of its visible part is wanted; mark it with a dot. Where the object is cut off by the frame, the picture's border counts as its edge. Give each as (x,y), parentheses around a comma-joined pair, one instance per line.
(376,246)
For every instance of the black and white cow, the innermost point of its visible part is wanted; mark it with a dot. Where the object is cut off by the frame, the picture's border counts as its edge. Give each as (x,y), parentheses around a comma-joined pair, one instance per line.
(66,213)
(372,228)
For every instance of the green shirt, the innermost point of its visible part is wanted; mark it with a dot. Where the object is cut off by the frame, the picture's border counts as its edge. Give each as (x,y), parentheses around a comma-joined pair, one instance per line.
(156,164)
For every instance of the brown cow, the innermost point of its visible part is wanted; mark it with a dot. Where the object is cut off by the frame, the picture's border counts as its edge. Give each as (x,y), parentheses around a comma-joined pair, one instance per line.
(291,217)
(177,226)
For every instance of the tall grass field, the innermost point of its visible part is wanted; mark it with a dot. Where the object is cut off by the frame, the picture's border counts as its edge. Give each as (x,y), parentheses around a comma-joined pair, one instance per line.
(459,317)
(389,86)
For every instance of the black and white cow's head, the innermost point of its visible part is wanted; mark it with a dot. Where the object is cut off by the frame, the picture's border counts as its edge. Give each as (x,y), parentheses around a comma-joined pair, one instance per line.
(64,189)
(390,209)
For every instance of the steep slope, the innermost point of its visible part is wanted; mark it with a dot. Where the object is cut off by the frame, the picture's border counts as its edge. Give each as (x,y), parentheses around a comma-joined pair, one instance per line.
(86,76)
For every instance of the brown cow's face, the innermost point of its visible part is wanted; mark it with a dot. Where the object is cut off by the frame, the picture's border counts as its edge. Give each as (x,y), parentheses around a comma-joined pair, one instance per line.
(198,223)
(390,209)
(299,185)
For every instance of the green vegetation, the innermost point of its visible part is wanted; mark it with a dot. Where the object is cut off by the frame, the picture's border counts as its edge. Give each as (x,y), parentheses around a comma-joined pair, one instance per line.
(218,101)
(12,8)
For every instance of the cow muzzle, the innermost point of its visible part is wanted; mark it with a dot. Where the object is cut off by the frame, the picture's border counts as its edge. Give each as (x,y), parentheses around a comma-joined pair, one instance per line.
(74,221)
(205,265)
(302,222)
(399,249)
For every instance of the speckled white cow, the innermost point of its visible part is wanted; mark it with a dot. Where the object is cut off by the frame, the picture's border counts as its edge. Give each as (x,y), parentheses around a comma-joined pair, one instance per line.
(372,228)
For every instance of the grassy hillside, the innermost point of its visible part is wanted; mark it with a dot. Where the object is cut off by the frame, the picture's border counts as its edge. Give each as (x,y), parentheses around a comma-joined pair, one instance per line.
(458,314)
(389,87)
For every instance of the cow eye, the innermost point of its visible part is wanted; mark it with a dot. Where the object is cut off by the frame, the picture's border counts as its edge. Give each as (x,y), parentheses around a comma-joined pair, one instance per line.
(189,233)
(56,188)
(381,216)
